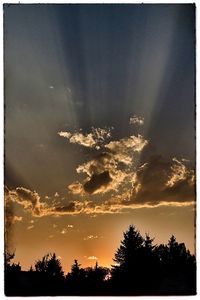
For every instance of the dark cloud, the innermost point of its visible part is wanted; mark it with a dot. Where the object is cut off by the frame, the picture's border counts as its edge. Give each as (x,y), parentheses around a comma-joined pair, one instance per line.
(97,181)
(160,180)
(71,207)
(29,199)
(182,191)
(25,194)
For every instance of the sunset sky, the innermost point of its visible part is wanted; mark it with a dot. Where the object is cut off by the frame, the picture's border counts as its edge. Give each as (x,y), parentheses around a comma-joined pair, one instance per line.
(99,128)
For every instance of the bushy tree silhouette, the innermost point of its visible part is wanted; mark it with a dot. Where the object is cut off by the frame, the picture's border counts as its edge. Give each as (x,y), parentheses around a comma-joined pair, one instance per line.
(11,268)
(12,271)
(49,265)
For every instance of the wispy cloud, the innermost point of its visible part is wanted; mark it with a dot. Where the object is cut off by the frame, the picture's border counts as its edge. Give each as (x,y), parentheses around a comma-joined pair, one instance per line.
(92,257)
(136,120)
(90,237)
(30,227)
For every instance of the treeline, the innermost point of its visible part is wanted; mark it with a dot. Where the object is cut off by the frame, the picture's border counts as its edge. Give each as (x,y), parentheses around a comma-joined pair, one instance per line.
(140,268)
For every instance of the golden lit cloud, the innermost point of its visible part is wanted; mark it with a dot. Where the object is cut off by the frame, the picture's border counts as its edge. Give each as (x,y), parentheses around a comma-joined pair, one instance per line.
(30,227)
(76,188)
(109,169)
(90,237)
(93,139)
(92,257)
(16,219)
(124,148)
(179,173)
(70,226)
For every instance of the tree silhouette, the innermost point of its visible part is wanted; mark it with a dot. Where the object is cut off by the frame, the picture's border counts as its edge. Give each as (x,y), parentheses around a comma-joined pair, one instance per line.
(12,271)
(128,257)
(141,268)
(126,253)
(8,266)
(75,269)
(49,265)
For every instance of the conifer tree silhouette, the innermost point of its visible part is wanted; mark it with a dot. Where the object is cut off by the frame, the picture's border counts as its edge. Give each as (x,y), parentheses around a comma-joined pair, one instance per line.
(126,274)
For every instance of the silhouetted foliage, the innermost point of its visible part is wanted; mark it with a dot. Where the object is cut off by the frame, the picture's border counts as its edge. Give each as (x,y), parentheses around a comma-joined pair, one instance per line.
(12,271)
(49,265)
(146,269)
(11,268)
(141,268)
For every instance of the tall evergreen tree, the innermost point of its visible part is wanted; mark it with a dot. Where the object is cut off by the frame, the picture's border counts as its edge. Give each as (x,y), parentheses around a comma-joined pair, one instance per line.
(127,272)
(128,251)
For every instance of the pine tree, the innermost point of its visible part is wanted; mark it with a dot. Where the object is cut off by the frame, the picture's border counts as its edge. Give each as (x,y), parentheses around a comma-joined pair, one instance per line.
(128,251)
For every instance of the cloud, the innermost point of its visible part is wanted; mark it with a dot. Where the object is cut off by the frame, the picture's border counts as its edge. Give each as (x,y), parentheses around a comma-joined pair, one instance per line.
(164,181)
(92,257)
(97,181)
(113,164)
(70,226)
(90,237)
(179,173)
(136,120)
(123,149)
(29,199)
(30,227)
(16,219)
(70,207)
(109,169)
(31,202)
(79,138)
(76,188)
(150,188)
(94,139)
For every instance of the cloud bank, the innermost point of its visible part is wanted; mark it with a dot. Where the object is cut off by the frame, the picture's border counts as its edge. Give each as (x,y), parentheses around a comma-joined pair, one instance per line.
(116,174)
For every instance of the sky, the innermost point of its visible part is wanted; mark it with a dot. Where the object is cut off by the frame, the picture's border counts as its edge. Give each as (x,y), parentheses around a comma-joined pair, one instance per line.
(99,128)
